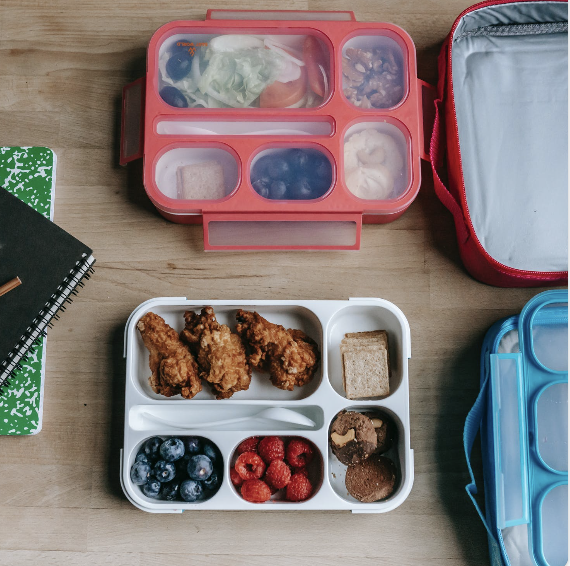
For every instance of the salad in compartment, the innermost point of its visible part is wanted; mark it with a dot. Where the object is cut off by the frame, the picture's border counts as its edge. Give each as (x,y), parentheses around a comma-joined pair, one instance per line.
(244,71)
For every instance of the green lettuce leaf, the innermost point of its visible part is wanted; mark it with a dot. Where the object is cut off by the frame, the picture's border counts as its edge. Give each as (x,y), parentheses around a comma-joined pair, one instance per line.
(237,78)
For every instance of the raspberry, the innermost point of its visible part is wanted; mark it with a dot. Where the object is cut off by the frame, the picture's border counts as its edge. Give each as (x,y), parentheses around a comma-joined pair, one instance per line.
(237,480)
(299,453)
(248,445)
(271,448)
(299,488)
(249,466)
(278,474)
(302,470)
(255,491)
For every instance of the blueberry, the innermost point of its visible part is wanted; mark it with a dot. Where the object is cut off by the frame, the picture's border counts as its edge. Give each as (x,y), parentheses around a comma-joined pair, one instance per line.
(210,451)
(140,472)
(320,167)
(141,457)
(212,482)
(172,449)
(171,95)
(278,168)
(301,189)
(261,186)
(193,444)
(183,44)
(164,471)
(299,159)
(170,490)
(179,65)
(151,448)
(182,466)
(151,488)
(260,167)
(277,190)
(200,467)
(190,490)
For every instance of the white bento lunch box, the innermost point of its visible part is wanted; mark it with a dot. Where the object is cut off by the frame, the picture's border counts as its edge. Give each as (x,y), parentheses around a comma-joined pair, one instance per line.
(148,414)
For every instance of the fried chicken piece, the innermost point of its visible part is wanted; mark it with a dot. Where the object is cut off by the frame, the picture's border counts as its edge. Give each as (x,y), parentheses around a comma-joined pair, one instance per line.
(290,356)
(219,352)
(174,370)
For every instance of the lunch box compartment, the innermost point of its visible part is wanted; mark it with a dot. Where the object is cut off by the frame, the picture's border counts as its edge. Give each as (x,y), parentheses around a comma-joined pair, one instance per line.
(185,126)
(401,137)
(552,426)
(206,414)
(172,179)
(384,42)
(554,517)
(315,470)
(137,491)
(298,181)
(360,318)
(261,387)
(337,470)
(183,51)
(549,340)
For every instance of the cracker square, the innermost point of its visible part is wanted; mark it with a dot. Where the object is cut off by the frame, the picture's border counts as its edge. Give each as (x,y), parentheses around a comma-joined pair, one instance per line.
(366,373)
(379,337)
(199,181)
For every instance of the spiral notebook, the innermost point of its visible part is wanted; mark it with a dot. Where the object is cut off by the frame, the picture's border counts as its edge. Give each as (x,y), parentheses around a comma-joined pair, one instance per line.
(51,264)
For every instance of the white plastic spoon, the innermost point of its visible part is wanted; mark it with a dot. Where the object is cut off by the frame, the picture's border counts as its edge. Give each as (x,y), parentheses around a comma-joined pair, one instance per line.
(272,413)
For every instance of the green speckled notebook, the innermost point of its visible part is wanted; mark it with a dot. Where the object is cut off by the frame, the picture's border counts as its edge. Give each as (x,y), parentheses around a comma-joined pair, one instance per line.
(29,174)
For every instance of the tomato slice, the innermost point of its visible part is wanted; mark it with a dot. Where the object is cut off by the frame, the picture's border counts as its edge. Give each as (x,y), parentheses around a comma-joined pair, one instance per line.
(281,95)
(313,56)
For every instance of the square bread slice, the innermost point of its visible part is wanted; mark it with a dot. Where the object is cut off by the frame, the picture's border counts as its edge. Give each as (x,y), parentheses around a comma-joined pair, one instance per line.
(366,373)
(381,335)
(354,339)
(200,181)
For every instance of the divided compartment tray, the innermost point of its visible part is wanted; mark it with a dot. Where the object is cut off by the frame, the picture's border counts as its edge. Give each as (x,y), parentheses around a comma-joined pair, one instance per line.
(169,137)
(320,400)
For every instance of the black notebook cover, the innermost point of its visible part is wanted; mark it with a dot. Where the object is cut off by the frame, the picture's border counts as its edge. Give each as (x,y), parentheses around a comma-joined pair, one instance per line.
(50,263)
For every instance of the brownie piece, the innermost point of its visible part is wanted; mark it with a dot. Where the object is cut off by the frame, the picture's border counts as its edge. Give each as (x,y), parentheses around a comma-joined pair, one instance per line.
(371,480)
(352,437)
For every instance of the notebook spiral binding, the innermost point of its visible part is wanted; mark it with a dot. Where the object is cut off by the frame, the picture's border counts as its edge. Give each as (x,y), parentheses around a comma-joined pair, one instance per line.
(37,330)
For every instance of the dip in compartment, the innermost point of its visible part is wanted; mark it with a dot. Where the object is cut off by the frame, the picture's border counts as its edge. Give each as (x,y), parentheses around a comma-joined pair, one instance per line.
(376,165)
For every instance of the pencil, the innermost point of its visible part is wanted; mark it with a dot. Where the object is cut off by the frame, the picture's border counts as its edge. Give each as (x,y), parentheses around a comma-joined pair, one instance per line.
(10,285)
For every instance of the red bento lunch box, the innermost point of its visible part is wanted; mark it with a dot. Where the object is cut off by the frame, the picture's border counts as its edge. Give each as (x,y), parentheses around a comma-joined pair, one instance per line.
(169,137)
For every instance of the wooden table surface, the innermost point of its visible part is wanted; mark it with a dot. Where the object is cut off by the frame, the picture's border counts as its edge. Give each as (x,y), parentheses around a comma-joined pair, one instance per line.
(62,67)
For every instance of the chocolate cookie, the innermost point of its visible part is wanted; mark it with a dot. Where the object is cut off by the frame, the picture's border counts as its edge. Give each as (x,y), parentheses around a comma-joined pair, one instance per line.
(353,437)
(385,432)
(371,480)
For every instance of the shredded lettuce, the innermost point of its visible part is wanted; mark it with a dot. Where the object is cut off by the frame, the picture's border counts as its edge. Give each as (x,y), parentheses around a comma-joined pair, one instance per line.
(237,78)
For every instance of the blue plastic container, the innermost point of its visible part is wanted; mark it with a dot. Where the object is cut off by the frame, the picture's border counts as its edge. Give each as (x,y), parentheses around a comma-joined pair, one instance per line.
(522,414)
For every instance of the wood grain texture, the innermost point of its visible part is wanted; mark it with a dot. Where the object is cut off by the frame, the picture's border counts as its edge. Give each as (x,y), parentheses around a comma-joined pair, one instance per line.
(62,67)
